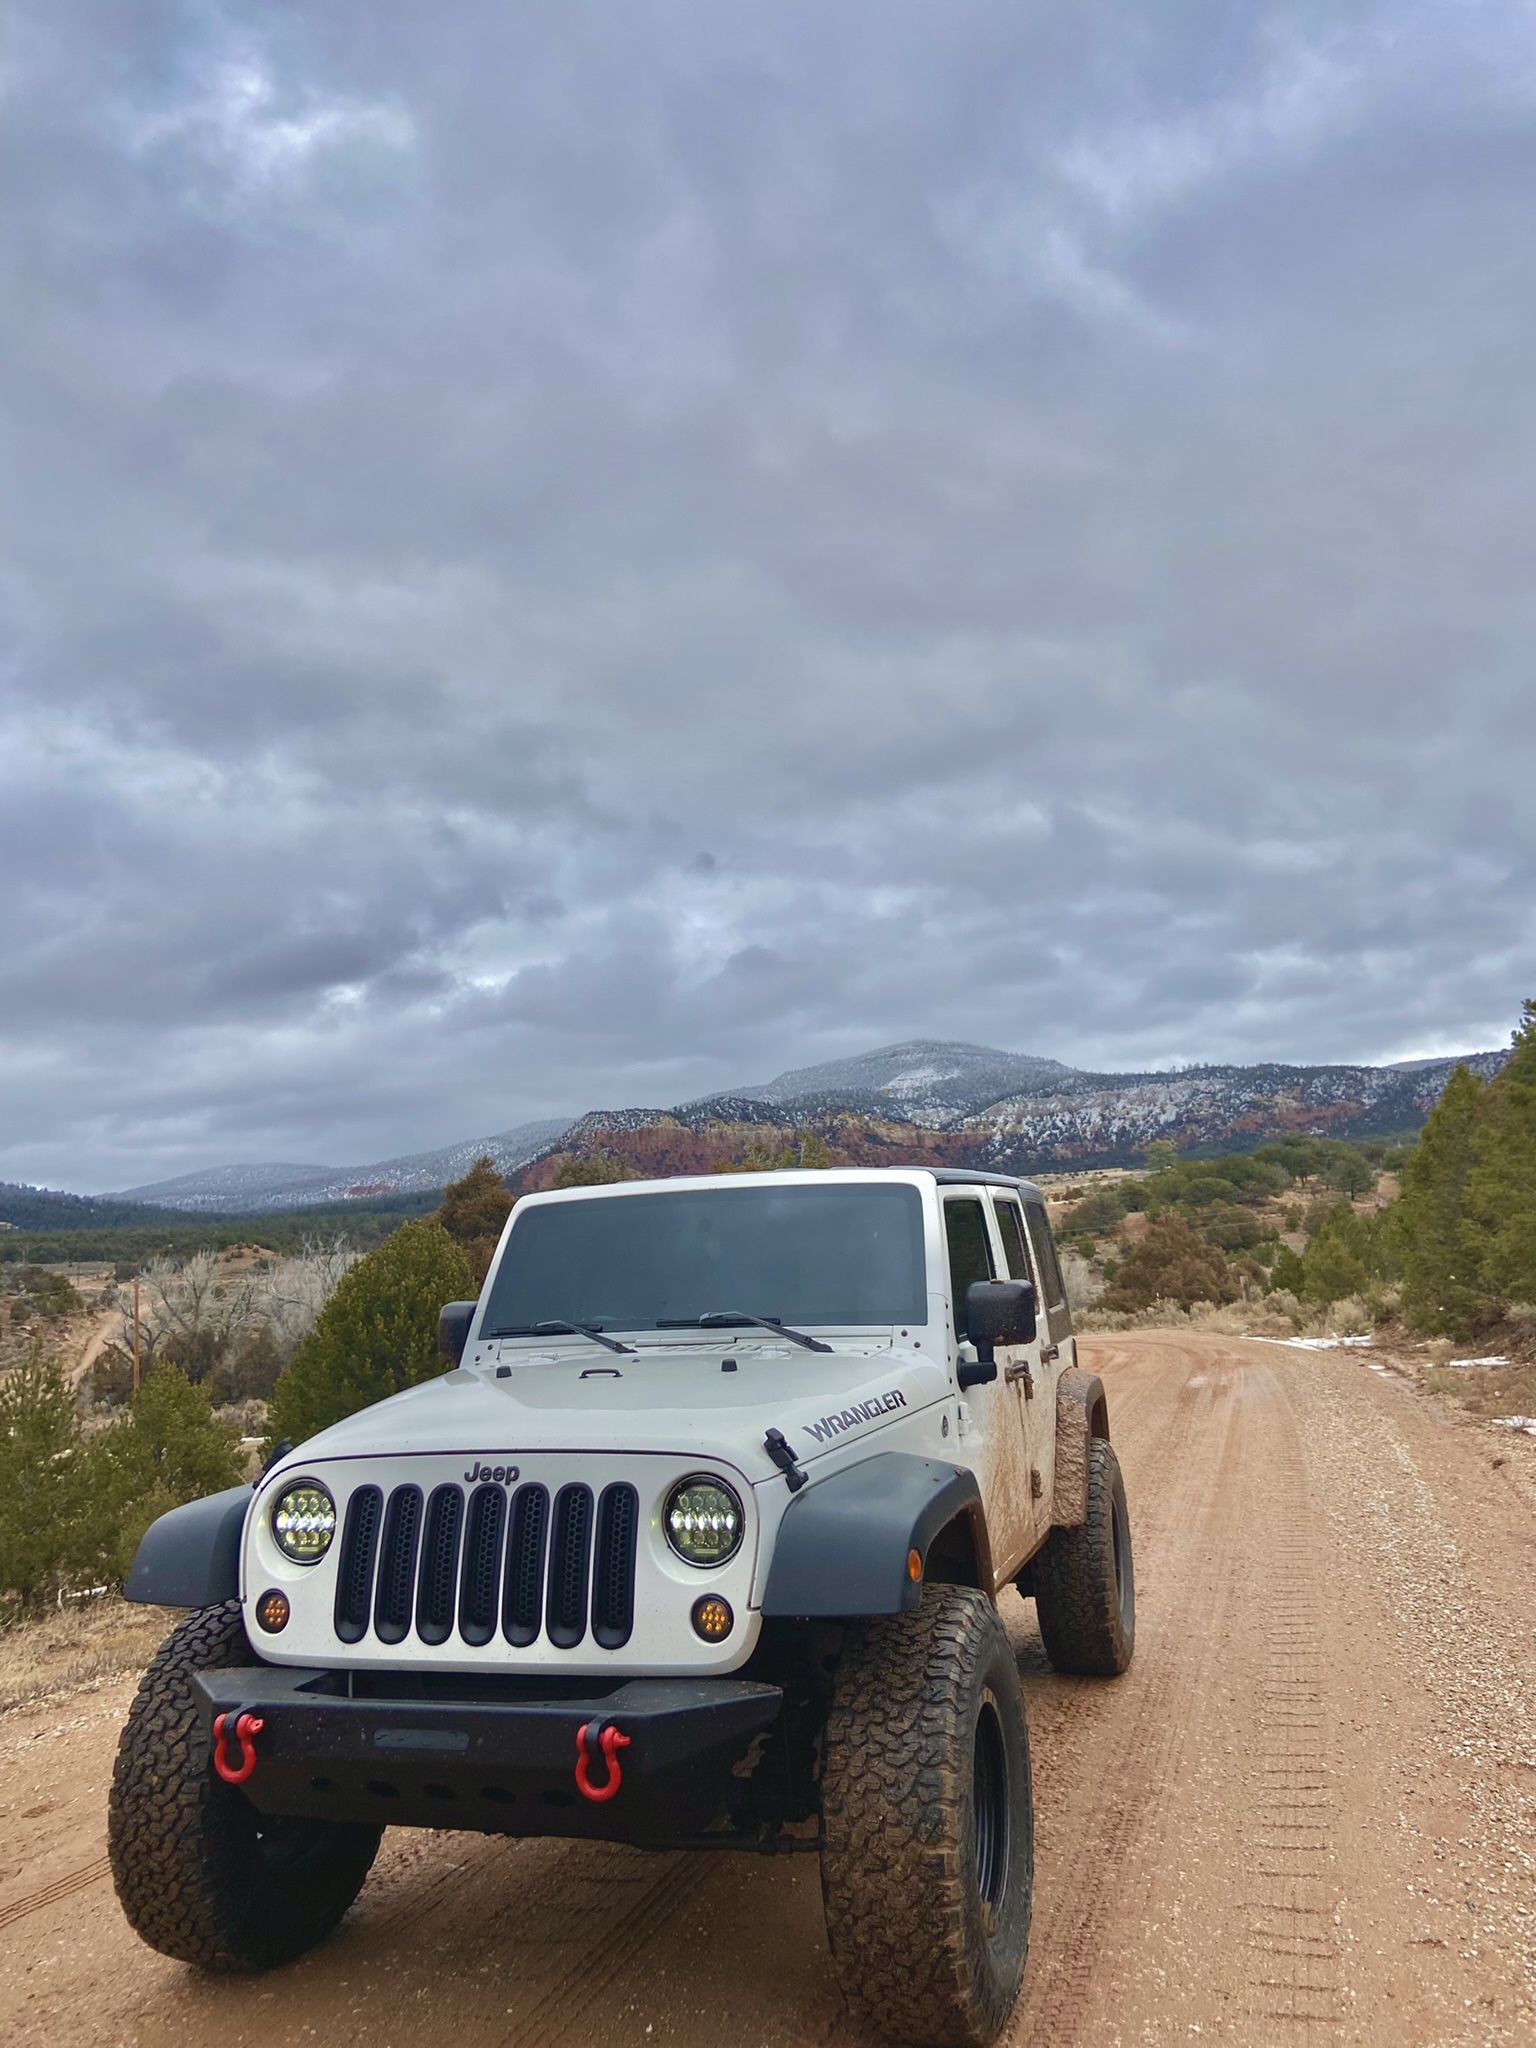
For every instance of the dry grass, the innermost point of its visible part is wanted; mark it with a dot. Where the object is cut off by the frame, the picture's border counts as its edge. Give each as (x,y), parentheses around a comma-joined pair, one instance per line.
(1485,1390)
(1275,1315)
(91,1640)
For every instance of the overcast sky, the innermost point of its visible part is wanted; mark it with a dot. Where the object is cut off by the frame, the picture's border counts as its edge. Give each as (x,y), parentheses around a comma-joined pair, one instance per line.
(566,554)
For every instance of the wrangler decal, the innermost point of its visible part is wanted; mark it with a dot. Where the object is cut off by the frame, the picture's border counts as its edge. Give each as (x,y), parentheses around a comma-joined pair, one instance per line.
(851,1418)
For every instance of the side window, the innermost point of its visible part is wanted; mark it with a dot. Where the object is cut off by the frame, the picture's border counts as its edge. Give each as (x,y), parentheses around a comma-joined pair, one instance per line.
(1053,1292)
(970,1252)
(1010,1224)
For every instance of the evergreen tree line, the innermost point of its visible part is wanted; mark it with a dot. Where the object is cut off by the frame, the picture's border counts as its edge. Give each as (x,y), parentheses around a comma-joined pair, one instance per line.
(1463,1232)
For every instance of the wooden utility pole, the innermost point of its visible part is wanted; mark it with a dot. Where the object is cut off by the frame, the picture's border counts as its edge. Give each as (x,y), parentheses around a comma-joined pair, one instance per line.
(135,1333)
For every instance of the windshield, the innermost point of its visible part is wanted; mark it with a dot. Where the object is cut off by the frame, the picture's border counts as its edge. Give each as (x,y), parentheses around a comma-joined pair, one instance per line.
(848,1255)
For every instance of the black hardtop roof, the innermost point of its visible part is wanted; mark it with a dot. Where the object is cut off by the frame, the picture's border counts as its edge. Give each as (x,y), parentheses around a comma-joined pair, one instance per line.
(959,1177)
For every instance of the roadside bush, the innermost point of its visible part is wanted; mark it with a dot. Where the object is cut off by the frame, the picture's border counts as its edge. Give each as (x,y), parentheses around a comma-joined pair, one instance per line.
(1171,1263)
(56,1527)
(376,1335)
(73,1504)
(169,1450)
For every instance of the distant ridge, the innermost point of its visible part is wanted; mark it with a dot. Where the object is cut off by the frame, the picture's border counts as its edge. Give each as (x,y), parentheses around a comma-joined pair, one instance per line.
(237,1190)
(939,1101)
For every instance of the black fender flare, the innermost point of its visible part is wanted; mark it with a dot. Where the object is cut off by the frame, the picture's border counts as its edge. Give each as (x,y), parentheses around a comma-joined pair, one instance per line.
(1082,1413)
(843,1544)
(190,1557)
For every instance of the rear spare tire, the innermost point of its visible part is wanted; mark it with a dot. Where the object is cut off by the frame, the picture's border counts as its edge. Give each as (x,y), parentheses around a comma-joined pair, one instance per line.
(928,1823)
(201,1875)
(1084,1580)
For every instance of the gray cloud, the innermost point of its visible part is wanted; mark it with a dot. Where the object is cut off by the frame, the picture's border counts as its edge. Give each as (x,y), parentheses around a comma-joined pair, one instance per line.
(559,557)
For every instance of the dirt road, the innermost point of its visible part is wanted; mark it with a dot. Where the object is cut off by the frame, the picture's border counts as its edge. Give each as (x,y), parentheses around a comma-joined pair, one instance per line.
(1307,1816)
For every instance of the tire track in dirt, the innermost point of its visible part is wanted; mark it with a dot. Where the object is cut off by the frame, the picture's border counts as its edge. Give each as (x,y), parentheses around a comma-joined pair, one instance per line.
(1290,1910)
(561,2010)
(1129,1758)
(52,1894)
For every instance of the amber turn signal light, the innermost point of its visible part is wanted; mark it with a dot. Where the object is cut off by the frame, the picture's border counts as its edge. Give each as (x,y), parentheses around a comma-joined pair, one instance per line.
(914,1566)
(272,1611)
(712,1618)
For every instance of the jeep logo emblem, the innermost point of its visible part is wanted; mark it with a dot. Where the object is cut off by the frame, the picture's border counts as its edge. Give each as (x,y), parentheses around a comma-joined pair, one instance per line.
(499,1475)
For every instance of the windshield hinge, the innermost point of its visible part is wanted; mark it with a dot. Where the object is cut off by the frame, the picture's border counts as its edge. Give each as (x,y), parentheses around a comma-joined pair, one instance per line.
(778,1449)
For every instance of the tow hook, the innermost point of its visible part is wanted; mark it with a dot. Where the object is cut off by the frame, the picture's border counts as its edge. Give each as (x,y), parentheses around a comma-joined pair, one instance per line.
(594,1740)
(245,1727)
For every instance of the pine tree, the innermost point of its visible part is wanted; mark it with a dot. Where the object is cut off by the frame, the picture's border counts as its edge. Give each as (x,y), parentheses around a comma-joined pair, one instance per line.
(168,1450)
(1288,1275)
(1501,1187)
(48,1531)
(376,1335)
(1338,1261)
(1442,1292)
(173,1431)
(473,1212)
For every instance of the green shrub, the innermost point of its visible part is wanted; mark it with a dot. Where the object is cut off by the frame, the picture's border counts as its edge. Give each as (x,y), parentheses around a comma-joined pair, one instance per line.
(1172,1263)
(55,1529)
(475,1209)
(376,1335)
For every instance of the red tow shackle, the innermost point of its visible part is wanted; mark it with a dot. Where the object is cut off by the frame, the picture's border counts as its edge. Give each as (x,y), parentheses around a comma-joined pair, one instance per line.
(247,1726)
(593,1740)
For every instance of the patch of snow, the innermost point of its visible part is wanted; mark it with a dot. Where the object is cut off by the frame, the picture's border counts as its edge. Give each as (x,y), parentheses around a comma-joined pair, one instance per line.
(1313,1343)
(1477,1361)
(1525,1422)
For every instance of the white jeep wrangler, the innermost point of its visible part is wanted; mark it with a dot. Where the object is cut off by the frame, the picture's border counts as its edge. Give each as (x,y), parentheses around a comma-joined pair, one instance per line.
(697,1544)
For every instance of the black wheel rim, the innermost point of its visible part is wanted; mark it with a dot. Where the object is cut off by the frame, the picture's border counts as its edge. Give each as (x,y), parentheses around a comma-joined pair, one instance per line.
(292,1848)
(989,1800)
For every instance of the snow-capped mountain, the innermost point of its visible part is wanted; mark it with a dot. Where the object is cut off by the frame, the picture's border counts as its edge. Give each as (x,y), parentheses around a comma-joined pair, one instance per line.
(928,1080)
(927,1101)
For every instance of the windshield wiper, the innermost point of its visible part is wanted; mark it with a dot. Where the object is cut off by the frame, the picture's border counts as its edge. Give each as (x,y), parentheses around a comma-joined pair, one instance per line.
(726,1318)
(554,1325)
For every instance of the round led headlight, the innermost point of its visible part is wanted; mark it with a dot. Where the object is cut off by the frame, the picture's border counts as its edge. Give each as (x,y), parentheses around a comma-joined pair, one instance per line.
(703,1520)
(304,1521)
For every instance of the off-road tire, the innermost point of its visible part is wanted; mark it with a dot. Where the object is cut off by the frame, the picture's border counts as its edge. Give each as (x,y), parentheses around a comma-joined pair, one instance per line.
(201,1875)
(1085,1582)
(927,1911)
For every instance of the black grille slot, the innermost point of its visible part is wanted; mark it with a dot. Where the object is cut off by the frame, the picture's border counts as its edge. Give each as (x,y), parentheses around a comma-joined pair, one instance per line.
(354,1570)
(439,1568)
(570,1552)
(397,1565)
(613,1575)
(482,1564)
(522,1606)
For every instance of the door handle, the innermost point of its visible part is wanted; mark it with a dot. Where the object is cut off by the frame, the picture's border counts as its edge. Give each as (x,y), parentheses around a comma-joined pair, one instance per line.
(1049,1354)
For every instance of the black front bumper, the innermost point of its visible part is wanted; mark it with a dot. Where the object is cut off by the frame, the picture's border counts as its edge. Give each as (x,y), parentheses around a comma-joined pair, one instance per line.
(495,1755)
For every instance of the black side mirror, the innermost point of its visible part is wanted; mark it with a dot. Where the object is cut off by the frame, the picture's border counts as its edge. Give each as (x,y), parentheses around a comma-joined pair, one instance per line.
(976,1372)
(453,1328)
(999,1312)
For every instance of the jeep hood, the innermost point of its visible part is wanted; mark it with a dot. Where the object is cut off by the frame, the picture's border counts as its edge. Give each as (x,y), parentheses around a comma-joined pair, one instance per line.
(663,1400)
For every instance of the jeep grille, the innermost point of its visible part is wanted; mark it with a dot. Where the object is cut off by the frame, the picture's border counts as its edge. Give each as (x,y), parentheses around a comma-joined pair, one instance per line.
(448,1565)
